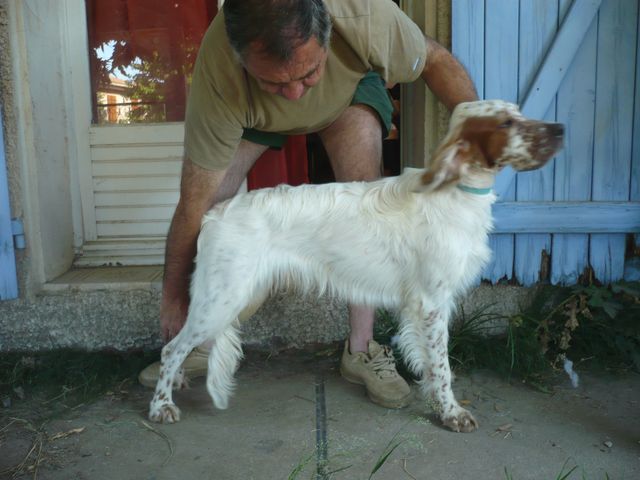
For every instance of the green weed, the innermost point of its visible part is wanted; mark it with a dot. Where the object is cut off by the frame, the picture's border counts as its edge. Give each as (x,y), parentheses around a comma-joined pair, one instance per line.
(67,378)
(386,453)
(299,468)
(564,473)
(592,324)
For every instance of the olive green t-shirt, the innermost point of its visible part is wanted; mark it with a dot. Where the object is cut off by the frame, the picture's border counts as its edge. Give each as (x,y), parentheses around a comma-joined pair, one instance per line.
(367,35)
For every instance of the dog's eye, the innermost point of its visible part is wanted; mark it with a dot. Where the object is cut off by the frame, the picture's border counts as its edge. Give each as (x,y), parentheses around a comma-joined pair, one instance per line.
(506,124)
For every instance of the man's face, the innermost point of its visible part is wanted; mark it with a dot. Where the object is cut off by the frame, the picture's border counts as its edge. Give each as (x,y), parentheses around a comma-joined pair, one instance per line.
(291,79)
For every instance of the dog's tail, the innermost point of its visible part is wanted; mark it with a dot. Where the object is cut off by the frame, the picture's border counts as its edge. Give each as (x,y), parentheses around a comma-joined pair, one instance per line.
(225,355)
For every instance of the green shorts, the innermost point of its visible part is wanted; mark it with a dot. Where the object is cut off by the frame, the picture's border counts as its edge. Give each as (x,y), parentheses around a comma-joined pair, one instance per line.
(370,91)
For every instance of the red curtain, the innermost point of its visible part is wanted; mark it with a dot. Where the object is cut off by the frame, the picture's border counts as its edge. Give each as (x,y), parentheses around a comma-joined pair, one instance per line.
(166,33)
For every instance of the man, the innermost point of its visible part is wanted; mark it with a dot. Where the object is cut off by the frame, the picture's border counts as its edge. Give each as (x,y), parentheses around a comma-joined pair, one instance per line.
(271,68)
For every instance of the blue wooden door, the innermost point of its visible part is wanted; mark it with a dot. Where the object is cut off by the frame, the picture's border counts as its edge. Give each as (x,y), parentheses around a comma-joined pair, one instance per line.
(8,278)
(575,62)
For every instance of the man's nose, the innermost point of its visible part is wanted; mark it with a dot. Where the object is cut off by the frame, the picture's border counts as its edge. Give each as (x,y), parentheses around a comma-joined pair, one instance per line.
(293,91)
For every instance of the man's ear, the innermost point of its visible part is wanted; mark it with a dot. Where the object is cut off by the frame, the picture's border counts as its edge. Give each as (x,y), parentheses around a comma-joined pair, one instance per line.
(447,165)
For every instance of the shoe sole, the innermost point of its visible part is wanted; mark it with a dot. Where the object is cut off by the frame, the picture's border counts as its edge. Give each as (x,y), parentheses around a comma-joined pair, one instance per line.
(145,382)
(395,404)
(151,382)
(350,378)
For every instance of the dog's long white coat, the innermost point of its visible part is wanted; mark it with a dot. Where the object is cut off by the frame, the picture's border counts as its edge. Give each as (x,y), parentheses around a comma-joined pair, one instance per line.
(383,243)
(413,243)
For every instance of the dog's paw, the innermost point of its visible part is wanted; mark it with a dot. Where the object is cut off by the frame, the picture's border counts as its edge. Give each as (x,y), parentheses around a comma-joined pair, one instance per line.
(460,421)
(165,413)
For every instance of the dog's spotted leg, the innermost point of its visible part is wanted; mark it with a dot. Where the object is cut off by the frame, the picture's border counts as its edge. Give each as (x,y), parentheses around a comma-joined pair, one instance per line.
(424,345)
(438,377)
(162,409)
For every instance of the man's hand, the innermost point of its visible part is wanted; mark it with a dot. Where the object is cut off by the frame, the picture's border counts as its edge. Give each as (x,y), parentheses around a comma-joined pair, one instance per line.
(198,189)
(173,315)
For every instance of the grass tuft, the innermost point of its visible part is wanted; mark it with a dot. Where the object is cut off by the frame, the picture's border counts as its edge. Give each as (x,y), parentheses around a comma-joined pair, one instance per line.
(68,378)
(588,324)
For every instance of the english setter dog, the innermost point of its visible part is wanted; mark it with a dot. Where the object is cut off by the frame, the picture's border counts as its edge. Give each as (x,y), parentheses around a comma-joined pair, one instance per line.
(412,243)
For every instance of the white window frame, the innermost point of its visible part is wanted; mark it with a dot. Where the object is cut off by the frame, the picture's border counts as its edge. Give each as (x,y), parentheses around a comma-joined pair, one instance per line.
(93,248)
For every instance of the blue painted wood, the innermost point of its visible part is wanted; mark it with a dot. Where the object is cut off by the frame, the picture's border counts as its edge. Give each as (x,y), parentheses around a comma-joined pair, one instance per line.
(536,101)
(501,81)
(467,41)
(573,172)
(635,157)
(8,276)
(567,217)
(613,126)
(538,26)
(632,270)
(594,158)
(632,267)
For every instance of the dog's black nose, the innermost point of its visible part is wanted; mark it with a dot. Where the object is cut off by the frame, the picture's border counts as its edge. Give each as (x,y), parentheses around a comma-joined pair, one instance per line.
(556,129)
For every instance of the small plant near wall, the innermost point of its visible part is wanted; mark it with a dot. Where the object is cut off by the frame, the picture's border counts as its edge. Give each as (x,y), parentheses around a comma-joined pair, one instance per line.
(565,328)
(599,325)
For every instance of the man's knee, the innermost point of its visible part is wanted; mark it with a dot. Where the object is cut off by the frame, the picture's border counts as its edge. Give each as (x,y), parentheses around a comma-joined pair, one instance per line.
(354,144)
(353,122)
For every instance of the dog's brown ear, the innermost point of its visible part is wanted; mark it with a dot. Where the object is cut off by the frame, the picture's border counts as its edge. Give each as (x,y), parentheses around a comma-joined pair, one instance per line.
(447,165)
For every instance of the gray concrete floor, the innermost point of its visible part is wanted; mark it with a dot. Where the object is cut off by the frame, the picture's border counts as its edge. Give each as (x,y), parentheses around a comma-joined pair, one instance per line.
(270,430)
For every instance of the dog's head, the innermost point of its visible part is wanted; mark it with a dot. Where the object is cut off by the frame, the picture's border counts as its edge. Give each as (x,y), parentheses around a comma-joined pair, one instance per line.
(488,135)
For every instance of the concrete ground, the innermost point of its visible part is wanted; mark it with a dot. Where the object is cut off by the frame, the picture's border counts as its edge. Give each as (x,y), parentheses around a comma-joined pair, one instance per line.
(276,417)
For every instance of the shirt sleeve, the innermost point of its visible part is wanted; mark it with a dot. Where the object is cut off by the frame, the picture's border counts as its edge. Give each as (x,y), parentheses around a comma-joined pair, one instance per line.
(212,131)
(397,46)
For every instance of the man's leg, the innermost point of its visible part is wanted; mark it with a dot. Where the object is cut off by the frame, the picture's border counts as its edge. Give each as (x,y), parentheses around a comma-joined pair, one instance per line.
(354,145)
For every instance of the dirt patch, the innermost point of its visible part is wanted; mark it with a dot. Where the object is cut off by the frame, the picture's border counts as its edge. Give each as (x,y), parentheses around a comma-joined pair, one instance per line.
(269,430)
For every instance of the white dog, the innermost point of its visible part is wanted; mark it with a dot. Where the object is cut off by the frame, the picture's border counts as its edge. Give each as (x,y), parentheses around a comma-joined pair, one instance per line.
(413,243)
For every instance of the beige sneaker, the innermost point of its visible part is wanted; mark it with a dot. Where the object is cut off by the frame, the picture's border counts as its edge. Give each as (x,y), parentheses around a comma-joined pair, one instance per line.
(195,365)
(376,370)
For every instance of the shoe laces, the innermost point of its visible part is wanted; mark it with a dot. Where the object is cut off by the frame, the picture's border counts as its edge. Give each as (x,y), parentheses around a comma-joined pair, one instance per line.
(383,363)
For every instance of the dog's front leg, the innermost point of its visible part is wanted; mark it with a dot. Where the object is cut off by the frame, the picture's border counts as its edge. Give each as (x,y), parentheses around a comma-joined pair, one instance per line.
(424,345)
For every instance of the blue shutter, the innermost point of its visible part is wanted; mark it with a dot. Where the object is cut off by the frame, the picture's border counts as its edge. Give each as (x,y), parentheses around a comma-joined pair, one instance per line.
(8,276)
(572,60)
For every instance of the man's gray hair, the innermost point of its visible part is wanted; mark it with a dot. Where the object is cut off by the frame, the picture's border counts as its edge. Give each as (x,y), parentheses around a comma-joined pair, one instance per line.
(277,26)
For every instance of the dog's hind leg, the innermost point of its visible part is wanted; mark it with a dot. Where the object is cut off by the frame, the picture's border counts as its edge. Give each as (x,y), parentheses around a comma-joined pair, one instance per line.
(423,342)
(162,409)
(225,354)
(237,291)
(206,319)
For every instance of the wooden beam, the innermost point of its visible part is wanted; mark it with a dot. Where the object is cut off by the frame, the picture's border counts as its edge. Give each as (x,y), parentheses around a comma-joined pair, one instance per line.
(536,101)
(567,217)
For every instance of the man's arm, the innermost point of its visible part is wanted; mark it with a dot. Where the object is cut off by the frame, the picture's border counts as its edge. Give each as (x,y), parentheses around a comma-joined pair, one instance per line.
(446,77)
(199,189)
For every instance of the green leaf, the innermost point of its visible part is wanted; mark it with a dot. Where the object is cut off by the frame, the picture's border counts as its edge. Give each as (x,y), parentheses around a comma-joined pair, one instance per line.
(636,360)
(383,459)
(611,308)
(595,301)
(626,288)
